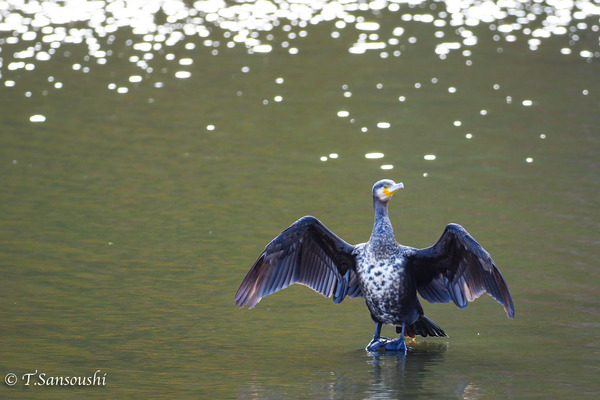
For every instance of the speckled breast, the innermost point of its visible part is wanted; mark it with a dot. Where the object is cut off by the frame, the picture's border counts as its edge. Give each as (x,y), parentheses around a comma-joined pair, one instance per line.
(388,290)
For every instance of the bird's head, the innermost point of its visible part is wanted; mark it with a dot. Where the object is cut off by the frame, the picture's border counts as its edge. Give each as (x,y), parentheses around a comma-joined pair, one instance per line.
(385,189)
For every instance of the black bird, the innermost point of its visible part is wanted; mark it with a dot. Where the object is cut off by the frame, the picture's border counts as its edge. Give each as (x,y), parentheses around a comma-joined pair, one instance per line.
(387,274)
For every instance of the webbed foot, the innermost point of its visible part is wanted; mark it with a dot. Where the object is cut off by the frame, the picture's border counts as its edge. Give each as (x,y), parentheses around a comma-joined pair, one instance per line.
(393,345)
(376,344)
(396,345)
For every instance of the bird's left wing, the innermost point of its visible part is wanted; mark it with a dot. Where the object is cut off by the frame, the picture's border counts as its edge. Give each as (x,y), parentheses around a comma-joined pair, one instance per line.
(307,253)
(457,268)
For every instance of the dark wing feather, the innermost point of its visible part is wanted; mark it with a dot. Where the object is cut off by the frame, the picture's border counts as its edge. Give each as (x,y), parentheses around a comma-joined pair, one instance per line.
(307,253)
(457,268)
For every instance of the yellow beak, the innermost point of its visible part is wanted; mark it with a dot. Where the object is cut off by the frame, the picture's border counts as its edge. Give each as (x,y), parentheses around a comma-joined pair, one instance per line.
(393,189)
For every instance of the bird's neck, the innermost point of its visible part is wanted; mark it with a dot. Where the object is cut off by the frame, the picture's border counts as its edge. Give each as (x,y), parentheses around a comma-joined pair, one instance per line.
(383,233)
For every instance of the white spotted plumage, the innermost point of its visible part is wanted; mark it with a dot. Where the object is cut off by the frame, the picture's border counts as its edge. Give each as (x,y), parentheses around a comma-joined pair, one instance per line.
(382,278)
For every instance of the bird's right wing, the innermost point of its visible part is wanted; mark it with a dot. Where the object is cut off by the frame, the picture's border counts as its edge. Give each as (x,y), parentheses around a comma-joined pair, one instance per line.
(457,268)
(307,253)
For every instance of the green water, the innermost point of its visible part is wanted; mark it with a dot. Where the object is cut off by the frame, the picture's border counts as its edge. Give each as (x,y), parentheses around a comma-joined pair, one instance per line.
(128,220)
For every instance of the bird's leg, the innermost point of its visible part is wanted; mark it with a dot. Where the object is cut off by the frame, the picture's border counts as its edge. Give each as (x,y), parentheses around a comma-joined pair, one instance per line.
(377,333)
(377,341)
(397,344)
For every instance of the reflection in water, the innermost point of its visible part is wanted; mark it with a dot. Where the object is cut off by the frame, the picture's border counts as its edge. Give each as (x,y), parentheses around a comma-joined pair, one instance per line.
(364,375)
(410,375)
(390,375)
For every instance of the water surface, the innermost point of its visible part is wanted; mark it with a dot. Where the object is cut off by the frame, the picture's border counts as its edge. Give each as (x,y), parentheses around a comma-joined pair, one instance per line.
(149,151)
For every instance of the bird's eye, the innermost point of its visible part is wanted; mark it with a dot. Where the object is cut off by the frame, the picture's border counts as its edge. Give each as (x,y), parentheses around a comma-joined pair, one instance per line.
(385,186)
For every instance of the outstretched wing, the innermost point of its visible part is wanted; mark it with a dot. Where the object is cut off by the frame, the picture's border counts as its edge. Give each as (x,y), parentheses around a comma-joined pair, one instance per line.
(457,268)
(307,253)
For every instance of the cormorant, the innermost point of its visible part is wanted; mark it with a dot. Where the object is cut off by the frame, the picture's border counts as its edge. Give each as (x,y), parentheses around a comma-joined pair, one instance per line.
(387,274)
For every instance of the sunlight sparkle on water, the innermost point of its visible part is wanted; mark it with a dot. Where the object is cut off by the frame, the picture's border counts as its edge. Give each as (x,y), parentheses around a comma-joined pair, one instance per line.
(367,26)
(374,155)
(183,74)
(263,48)
(37,118)
(45,27)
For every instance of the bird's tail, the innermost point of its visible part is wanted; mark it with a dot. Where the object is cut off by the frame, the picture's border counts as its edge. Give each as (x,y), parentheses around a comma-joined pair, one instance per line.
(424,327)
